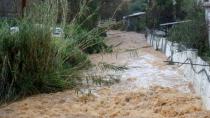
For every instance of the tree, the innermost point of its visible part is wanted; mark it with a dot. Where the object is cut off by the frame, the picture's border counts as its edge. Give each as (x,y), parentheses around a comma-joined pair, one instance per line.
(115,9)
(84,11)
(137,6)
(162,11)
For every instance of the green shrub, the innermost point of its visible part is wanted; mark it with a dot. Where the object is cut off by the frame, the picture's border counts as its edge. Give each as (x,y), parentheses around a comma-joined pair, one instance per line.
(164,11)
(193,34)
(86,13)
(137,6)
(117,26)
(141,24)
(87,41)
(33,62)
(27,61)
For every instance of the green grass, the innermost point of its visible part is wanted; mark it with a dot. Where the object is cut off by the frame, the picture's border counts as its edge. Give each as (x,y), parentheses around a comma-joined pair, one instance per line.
(34,62)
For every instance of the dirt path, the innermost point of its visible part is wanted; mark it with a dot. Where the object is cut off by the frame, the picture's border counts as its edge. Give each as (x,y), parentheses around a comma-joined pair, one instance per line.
(148,88)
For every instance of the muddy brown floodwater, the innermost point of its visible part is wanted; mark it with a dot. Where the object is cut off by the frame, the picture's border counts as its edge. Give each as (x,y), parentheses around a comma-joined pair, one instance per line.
(148,88)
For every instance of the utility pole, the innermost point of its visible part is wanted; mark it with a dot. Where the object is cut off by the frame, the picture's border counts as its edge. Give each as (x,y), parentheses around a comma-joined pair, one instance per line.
(207,15)
(174,9)
(23,5)
(3,8)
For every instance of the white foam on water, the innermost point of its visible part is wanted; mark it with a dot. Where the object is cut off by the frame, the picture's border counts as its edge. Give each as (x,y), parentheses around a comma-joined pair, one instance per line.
(147,75)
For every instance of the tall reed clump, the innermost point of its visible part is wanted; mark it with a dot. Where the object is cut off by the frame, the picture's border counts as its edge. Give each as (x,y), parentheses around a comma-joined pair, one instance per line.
(32,61)
(88,41)
(29,62)
(83,32)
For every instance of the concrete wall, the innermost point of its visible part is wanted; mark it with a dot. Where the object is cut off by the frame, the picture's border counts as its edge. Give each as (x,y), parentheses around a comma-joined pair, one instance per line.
(199,75)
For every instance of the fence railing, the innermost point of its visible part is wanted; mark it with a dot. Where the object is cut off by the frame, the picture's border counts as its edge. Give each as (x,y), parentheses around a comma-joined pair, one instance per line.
(195,69)
(170,60)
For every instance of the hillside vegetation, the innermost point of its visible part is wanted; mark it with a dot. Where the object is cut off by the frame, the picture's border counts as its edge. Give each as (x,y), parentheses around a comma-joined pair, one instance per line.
(33,61)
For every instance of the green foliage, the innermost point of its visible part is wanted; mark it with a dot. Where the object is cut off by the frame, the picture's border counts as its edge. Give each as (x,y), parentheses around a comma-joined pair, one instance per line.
(117,26)
(87,41)
(163,11)
(141,24)
(192,34)
(29,62)
(187,6)
(110,9)
(84,13)
(33,62)
(137,6)
(116,9)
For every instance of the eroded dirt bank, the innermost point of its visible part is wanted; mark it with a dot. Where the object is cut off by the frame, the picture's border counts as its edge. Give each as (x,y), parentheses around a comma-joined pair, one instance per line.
(148,88)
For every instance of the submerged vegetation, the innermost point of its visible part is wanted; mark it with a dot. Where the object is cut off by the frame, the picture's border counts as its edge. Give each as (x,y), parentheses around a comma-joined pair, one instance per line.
(105,66)
(33,61)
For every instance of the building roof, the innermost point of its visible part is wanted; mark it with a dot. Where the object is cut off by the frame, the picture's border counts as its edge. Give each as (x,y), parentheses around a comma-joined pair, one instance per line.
(135,14)
(174,23)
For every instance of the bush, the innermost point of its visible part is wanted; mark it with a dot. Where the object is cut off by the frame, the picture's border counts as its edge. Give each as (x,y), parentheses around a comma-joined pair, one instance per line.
(137,6)
(85,13)
(141,24)
(33,62)
(117,26)
(87,41)
(192,34)
(27,60)
(163,11)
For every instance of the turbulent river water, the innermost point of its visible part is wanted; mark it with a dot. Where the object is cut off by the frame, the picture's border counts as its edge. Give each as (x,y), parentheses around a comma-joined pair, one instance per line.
(147,88)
